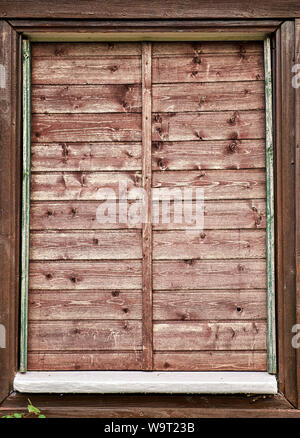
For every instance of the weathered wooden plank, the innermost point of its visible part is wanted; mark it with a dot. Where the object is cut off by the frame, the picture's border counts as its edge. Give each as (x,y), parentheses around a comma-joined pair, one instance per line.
(211,96)
(86,275)
(48,99)
(208,244)
(208,125)
(132,10)
(207,68)
(87,50)
(83,245)
(41,361)
(216,184)
(84,335)
(241,48)
(66,305)
(209,305)
(86,156)
(212,274)
(97,70)
(79,215)
(82,185)
(197,155)
(211,361)
(180,335)
(10,171)
(146,225)
(86,127)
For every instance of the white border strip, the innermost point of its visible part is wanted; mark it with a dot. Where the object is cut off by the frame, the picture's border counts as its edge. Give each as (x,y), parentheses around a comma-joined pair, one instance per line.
(146,382)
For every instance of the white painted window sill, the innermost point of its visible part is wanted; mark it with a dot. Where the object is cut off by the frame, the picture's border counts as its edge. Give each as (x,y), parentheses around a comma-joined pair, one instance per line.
(167,382)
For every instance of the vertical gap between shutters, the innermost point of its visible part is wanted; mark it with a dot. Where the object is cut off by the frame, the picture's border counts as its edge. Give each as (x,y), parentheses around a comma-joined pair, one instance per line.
(147,225)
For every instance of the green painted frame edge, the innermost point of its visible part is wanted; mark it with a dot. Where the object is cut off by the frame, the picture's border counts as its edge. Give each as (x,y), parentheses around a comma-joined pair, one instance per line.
(270,239)
(270,231)
(26,98)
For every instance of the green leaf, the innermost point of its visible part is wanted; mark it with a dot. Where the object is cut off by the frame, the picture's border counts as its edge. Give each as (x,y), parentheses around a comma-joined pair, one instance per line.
(17,415)
(42,416)
(33,409)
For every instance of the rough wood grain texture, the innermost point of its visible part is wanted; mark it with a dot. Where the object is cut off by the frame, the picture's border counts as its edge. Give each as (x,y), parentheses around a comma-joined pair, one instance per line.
(146,225)
(150,406)
(86,156)
(50,99)
(216,184)
(69,305)
(201,126)
(210,96)
(74,215)
(211,360)
(86,275)
(123,70)
(87,50)
(84,335)
(86,127)
(229,214)
(212,305)
(171,9)
(209,244)
(285,144)
(71,361)
(242,48)
(83,245)
(297,191)
(214,274)
(81,215)
(207,68)
(10,170)
(83,185)
(180,335)
(202,155)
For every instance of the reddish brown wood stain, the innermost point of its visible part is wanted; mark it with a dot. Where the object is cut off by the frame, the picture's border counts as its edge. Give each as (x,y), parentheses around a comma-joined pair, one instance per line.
(86,289)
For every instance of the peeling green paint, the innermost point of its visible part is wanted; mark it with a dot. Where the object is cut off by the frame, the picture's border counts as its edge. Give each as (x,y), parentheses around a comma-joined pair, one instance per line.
(26,95)
(271,329)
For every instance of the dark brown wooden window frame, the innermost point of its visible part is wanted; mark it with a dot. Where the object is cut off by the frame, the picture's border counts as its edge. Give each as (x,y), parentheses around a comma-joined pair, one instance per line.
(286,41)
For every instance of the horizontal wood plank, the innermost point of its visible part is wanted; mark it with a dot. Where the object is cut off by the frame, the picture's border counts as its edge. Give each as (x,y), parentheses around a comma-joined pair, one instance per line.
(208,125)
(85,275)
(209,305)
(198,155)
(82,185)
(81,215)
(211,361)
(241,48)
(212,274)
(207,68)
(86,127)
(213,96)
(209,244)
(94,70)
(65,305)
(180,335)
(83,245)
(86,156)
(216,184)
(74,50)
(86,99)
(84,335)
(122,360)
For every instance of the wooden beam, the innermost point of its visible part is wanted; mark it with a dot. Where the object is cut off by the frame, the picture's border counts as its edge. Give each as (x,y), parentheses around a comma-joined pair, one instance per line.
(285,207)
(9,204)
(297,189)
(133,9)
(147,225)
